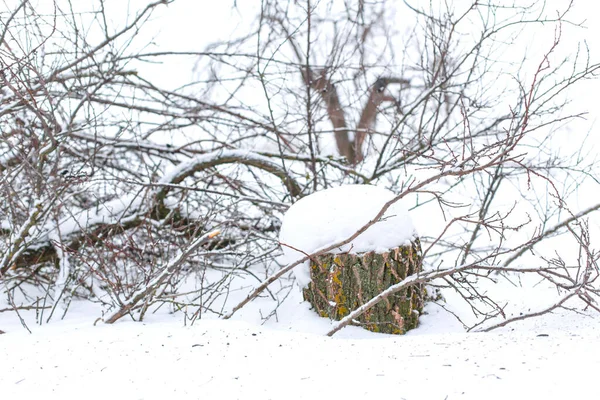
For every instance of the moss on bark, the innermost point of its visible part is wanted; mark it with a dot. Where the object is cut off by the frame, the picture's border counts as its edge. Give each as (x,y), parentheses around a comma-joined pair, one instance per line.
(343,282)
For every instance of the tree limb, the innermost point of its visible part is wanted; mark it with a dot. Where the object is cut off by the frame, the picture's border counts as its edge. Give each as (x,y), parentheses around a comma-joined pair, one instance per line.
(162,277)
(549,232)
(83,230)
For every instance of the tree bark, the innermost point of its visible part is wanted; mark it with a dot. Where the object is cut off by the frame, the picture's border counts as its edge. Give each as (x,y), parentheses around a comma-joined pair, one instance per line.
(344,282)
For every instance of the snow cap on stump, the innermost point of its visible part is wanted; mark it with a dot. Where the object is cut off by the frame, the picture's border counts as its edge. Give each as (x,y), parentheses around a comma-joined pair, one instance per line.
(333,215)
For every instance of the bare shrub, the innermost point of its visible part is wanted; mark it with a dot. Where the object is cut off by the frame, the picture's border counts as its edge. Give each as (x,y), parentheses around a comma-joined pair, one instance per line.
(136,196)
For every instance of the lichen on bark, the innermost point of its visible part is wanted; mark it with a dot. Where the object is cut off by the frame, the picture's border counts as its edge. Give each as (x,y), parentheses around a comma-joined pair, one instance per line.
(343,282)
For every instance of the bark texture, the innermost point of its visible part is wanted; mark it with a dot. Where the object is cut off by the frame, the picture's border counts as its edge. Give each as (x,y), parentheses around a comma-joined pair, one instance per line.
(344,282)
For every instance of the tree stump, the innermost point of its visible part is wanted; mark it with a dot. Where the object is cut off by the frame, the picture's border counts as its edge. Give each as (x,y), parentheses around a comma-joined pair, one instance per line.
(343,282)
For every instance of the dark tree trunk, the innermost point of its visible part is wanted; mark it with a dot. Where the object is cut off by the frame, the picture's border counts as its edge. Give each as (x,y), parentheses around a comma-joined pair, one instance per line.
(344,282)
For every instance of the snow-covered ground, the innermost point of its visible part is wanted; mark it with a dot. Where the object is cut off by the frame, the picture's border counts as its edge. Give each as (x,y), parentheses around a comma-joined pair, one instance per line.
(552,357)
(555,357)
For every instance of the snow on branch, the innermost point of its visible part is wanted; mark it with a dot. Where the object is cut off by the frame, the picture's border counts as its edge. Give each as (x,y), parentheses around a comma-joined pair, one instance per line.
(126,213)
(219,157)
(18,244)
(87,225)
(8,160)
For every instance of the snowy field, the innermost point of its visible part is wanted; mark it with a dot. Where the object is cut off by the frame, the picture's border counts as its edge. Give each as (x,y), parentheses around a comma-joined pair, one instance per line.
(554,357)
